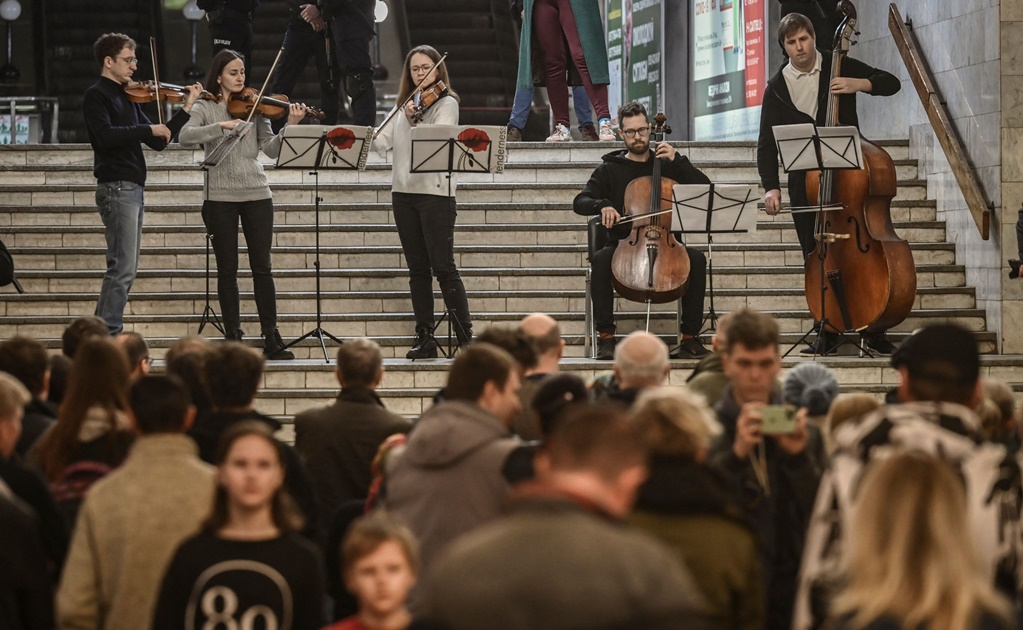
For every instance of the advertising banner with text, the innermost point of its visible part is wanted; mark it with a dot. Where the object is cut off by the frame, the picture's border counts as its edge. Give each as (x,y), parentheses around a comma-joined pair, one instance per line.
(635,47)
(729,54)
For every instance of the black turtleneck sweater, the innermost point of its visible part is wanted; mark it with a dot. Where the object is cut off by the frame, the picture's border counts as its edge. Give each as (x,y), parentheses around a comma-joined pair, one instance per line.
(117,128)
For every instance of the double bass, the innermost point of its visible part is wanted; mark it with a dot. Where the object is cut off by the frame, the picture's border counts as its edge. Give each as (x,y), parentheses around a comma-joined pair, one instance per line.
(650,265)
(865,266)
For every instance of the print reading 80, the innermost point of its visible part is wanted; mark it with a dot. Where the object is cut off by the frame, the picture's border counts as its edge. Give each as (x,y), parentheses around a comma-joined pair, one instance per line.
(222,617)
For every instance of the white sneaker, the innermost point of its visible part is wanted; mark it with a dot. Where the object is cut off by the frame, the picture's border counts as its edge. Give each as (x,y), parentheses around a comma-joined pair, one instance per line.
(606,132)
(561,134)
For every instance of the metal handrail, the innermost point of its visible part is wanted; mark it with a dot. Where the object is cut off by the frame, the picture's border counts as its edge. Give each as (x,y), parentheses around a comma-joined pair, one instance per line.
(937,113)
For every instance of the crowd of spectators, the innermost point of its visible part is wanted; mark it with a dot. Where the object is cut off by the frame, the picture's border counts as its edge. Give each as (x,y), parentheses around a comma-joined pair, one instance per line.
(523,498)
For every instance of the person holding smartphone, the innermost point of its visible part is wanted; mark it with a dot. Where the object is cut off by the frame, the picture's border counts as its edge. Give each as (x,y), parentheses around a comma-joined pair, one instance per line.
(776,457)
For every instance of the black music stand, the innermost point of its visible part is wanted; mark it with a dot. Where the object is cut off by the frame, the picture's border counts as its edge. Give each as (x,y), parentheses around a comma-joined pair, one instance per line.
(805,147)
(713,209)
(315,148)
(453,149)
(216,156)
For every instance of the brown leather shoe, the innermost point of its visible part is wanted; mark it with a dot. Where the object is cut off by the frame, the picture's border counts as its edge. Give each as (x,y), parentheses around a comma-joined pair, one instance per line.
(588,133)
(514,134)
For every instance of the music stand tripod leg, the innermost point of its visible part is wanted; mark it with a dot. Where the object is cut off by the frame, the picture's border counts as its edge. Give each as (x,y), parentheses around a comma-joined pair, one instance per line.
(208,314)
(710,321)
(318,331)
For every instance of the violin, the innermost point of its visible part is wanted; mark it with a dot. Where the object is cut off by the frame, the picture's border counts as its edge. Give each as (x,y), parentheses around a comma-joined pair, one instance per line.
(867,269)
(423,99)
(241,104)
(651,266)
(146,92)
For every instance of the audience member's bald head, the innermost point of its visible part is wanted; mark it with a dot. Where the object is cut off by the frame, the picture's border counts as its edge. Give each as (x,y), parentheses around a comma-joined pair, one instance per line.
(546,336)
(641,360)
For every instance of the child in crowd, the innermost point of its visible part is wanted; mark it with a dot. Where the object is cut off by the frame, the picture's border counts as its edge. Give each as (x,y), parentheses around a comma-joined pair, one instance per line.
(379,567)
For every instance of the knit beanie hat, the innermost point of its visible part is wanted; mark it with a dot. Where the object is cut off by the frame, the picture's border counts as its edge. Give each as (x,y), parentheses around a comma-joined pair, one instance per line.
(811,385)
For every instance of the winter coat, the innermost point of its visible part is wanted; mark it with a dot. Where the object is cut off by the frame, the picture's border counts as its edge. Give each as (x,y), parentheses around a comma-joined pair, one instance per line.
(559,562)
(694,510)
(781,516)
(338,443)
(590,28)
(447,480)
(130,525)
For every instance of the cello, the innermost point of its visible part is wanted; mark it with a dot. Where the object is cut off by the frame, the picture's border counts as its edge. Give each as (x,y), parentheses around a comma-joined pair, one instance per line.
(650,266)
(866,267)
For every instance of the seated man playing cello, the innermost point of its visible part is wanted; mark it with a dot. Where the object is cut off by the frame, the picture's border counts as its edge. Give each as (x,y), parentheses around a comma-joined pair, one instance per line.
(604,195)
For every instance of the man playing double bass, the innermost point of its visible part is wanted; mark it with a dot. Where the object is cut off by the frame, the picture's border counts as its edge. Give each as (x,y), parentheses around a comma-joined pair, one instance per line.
(798,94)
(604,195)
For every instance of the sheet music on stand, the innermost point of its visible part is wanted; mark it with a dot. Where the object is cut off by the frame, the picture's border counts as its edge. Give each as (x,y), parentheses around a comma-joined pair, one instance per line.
(343,147)
(459,148)
(217,155)
(806,147)
(714,208)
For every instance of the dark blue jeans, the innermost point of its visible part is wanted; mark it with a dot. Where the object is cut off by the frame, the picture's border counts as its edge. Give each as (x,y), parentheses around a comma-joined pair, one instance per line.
(299,45)
(524,100)
(121,208)
(426,228)
(257,217)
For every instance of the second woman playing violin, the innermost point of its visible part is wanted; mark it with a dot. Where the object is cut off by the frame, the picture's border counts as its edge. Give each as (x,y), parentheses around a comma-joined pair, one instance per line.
(237,188)
(424,204)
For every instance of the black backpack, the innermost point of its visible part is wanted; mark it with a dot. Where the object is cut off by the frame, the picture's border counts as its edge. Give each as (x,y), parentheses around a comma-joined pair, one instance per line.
(7,269)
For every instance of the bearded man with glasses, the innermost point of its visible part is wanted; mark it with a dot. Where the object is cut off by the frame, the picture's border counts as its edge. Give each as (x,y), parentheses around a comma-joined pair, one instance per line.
(604,195)
(117,129)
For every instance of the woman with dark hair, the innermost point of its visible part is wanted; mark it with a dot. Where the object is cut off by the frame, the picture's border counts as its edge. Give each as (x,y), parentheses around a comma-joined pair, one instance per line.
(92,434)
(424,205)
(235,189)
(248,563)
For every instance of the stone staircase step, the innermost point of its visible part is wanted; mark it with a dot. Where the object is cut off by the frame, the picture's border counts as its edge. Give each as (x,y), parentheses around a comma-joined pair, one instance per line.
(81,154)
(389,256)
(482,302)
(476,278)
(370,213)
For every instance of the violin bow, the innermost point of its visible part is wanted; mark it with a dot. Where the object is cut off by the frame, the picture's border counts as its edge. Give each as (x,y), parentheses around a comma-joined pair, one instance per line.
(266,82)
(415,91)
(156,79)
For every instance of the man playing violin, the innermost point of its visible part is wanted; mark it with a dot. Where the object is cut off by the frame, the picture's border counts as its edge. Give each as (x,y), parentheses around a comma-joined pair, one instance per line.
(604,195)
(117,129)
(798,94)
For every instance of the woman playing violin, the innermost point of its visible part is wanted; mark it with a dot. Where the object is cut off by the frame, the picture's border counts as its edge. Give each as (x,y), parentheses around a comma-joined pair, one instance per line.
(236,189)
(424,203)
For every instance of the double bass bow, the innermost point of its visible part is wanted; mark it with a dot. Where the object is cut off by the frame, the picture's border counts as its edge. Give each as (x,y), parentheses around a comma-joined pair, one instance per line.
(865,266)
(650,265)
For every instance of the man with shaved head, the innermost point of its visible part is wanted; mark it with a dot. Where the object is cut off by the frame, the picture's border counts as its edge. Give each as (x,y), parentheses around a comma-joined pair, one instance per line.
(641,362)
(545,334)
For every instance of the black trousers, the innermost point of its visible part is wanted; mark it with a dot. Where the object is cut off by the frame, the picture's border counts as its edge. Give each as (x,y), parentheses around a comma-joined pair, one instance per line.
(805,221)
(231,29)
(426,227)
(299,45)
(352,32)
(257,218)
(602,291)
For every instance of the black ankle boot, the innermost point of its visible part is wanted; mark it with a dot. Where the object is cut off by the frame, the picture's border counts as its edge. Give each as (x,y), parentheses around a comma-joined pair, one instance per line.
(464,334)
(233,334)
(273,346)
(425,346)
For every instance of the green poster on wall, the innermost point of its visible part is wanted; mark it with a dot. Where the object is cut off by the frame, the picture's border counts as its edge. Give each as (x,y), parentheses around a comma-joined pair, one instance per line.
(635,36)
(642,35)
(613,28)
